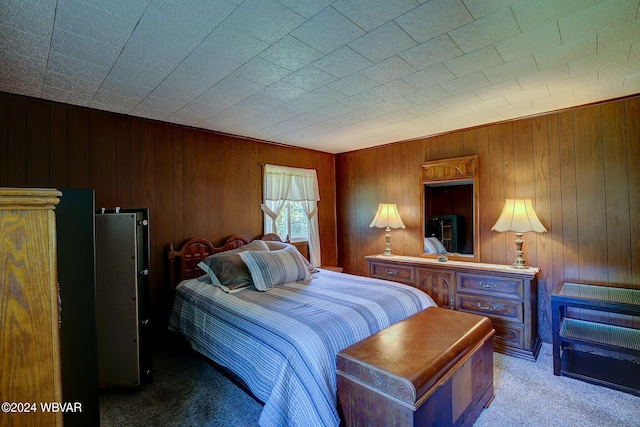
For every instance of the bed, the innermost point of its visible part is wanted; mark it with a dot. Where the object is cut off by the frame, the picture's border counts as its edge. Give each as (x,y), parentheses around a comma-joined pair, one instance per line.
(282,342)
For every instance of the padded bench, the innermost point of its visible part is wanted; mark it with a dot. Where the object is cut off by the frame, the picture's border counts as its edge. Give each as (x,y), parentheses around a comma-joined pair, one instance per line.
(433,368)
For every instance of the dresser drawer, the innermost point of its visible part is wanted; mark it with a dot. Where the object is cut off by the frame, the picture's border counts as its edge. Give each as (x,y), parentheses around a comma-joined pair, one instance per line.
(490,285)
(395,272)
(495,308)
(508,334)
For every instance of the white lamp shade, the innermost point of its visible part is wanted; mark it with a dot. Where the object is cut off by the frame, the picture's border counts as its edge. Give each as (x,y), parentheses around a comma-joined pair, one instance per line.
(387,216)
(518,215)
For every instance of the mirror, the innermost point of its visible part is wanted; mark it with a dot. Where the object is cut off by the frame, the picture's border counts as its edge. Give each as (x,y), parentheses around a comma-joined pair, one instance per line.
(450,209)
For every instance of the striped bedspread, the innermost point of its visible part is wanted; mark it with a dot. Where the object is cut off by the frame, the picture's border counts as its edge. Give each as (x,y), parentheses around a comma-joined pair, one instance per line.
(283,343)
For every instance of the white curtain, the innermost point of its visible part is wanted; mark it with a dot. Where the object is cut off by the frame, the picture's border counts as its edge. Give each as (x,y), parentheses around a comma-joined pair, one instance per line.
(282,184)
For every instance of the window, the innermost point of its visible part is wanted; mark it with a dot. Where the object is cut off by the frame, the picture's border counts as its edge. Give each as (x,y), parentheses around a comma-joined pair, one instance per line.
(290,204)
(292,222)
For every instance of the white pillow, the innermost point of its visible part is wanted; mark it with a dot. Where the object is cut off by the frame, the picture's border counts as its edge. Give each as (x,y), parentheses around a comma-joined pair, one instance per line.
(433,246)
(269,269)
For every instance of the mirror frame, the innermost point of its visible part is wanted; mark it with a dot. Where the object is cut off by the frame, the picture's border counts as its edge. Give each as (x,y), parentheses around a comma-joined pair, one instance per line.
(452,170)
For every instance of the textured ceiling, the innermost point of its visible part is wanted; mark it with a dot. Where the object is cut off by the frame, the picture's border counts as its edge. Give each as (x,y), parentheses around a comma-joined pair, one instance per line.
(328,75)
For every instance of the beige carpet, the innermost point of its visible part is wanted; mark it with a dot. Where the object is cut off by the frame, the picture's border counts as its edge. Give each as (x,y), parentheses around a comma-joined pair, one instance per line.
(189,392)
(528,394)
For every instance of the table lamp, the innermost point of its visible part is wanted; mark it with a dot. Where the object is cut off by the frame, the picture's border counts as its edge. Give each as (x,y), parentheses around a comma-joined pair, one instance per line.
(387,217)
(518,216)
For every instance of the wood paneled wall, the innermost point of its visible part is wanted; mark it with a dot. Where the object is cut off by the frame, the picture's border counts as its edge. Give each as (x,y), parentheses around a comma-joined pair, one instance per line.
(581,168)
(195,183)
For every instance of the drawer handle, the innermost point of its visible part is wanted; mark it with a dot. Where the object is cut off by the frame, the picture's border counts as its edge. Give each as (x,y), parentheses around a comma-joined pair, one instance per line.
(489,285)
(487,307)
(391,272)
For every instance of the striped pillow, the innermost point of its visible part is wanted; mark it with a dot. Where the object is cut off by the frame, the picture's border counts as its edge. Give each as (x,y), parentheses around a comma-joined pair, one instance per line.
(269,269)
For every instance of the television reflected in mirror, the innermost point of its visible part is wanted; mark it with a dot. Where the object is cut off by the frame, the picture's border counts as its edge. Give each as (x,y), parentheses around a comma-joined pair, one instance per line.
(450,209)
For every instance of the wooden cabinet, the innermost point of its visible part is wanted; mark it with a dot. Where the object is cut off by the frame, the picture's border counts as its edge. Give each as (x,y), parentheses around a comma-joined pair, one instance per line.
(506,295)
(592,351)
(29,344)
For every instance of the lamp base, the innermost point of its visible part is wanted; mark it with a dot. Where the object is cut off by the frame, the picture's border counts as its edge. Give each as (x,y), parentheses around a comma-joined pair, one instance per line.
(519,262)
(387,245)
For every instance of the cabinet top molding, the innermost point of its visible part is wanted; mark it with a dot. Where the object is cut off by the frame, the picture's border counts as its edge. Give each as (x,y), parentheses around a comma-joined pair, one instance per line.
(455,265)
(449,169)
(28,198)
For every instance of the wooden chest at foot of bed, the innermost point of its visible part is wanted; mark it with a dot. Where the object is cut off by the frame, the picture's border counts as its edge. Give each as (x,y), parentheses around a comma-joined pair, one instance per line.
(433,368)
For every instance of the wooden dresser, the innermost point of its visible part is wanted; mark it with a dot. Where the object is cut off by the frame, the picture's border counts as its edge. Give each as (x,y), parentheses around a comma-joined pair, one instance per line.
(506,295)
(29,343)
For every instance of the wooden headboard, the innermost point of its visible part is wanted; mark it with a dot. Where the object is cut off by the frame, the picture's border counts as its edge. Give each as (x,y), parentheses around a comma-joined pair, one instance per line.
(195,250)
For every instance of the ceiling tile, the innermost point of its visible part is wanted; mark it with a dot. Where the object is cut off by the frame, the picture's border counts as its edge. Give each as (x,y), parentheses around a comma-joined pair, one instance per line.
(266,20)
(229,43)
(310,78)
(522,109)
(306,8)
(562,54)
(459,100)
(95,23)
(133,74)
(488,104)
(498,89)
(327,31)
(574,83)
(533,14)
(70,83)
(290,53)
(76,68)
(429,77)
(169,106)
(527,95)
(342,62)
(434,19)
(392,89)
(450,113)
(595,63)
(33,18)
(545,37)
(466,83)
(383,42)
(83,48)
(388,70)
(544,77)
(473,62)
(283,91)
(352,84)
(127,9)
(23,44)
(68,97)
(373,13)
(557,101)
(261,71)
(512,69)
(196,75)
(485,31)
(361,100)
(427,95)
(321,96)
(609,14)
(20,74)
(480,8)
(432,52)
(427,108)
(199,13)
